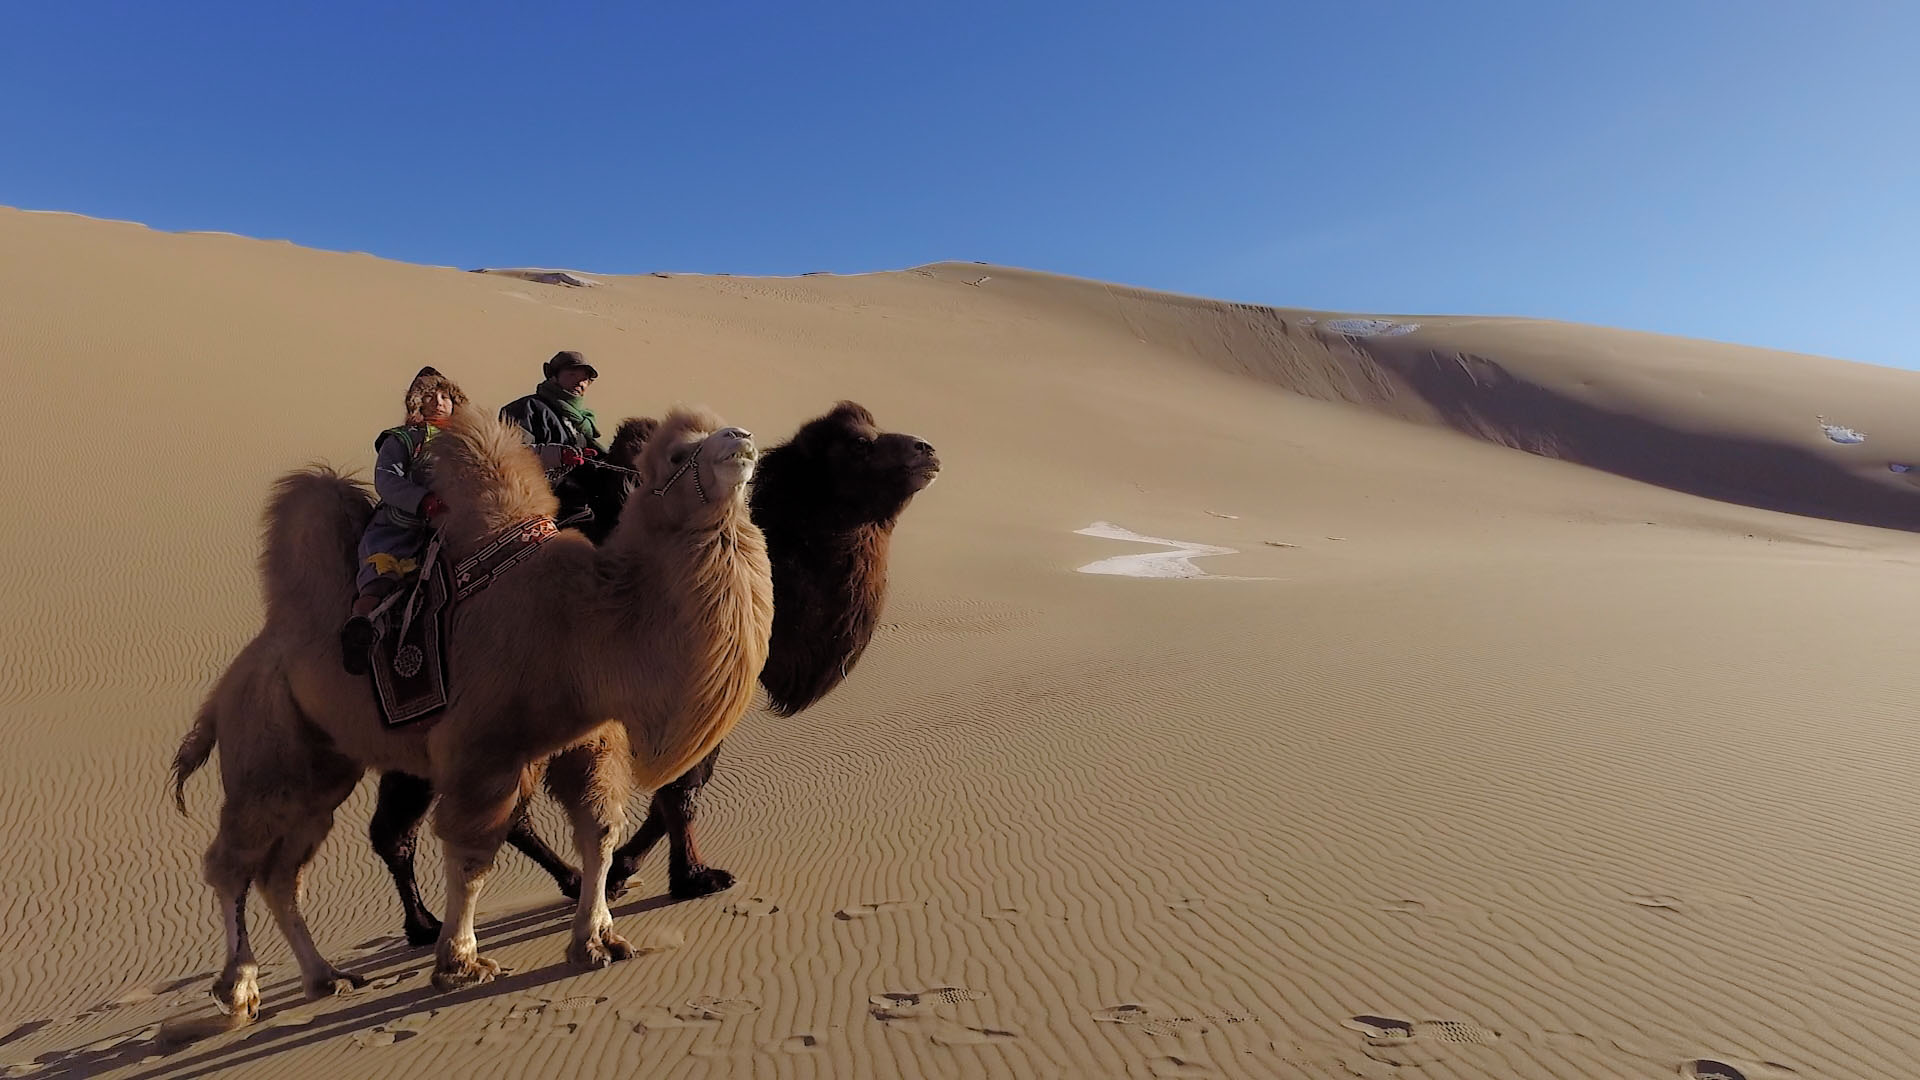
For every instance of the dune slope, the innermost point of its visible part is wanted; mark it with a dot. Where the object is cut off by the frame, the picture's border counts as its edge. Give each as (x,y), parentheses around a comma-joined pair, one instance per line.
(1440,759)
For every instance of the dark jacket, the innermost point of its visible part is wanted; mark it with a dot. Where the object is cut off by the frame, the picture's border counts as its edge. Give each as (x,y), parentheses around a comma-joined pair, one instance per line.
(543,423)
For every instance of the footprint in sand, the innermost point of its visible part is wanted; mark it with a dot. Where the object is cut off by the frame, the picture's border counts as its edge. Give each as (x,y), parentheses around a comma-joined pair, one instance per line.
(718,1008)
(1414,1043)
(699,1012)
(542,1018)
(1157,1022)
(900,1006)
(866,911)
(1735,1069)
(753,907)
(651,1018)
(918,1011)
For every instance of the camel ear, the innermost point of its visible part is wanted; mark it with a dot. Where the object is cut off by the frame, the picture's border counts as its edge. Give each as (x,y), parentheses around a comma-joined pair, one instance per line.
(840,422)
(631,439)
(853,412)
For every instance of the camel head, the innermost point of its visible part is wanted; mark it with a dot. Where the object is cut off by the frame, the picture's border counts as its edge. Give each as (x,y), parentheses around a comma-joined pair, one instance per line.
(694,470)
(850,471)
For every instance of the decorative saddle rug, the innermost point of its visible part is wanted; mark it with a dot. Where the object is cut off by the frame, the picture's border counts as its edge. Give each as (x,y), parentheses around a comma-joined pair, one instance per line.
(411,679)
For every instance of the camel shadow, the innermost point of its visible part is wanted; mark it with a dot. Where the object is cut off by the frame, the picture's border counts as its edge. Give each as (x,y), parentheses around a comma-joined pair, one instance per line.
(262,1041)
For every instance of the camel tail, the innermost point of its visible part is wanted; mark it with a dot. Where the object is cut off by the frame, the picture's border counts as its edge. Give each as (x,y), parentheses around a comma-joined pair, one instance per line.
(194,751)
(312,529)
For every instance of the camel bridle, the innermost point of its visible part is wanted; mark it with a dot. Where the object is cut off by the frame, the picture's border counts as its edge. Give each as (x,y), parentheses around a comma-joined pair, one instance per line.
(692,462)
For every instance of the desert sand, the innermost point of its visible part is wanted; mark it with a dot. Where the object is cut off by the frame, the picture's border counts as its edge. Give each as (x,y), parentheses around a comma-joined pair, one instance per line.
(1494,698)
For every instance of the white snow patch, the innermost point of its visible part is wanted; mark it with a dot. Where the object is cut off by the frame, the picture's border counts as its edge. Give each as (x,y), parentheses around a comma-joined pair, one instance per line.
(1370,327)
(1175,563)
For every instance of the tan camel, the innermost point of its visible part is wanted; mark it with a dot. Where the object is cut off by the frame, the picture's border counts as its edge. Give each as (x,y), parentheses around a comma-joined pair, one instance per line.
(647,647)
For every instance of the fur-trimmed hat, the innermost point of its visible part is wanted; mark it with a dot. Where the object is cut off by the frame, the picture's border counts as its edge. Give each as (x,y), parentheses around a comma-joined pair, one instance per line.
(427,383)
(564,359)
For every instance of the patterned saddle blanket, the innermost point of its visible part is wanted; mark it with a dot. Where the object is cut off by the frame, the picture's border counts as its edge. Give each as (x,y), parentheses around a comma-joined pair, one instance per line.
(411,678)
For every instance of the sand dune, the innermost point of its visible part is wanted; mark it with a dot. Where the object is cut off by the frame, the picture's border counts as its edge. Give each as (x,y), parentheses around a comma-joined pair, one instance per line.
(1583,761)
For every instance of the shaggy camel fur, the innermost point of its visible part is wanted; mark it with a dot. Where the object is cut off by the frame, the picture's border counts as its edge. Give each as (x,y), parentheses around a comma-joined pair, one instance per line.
(827,500)
(647,647)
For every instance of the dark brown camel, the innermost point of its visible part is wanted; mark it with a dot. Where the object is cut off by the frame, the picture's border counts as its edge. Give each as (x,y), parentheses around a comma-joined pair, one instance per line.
(827,501)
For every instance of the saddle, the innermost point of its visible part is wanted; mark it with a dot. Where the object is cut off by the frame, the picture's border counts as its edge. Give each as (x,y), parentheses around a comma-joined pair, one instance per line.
(408,661)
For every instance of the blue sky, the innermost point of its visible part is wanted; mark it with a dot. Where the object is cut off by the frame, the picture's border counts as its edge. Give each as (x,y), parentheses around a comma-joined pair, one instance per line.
(1740,171)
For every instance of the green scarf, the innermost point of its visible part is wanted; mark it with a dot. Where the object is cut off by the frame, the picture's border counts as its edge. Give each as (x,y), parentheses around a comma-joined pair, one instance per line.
(574,408)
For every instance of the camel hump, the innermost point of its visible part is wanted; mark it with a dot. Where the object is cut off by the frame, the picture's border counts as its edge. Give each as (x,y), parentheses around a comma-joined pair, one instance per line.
(312,532)
(487,475)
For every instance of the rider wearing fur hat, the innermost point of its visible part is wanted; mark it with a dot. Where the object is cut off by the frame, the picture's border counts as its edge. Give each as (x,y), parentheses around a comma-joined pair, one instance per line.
(395,538)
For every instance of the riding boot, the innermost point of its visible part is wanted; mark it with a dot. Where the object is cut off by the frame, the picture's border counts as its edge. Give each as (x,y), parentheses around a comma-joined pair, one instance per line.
(358,635)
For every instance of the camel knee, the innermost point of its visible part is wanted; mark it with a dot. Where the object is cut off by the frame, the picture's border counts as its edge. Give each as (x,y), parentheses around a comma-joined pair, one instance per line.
(395,828)
(477,814)
(231,865)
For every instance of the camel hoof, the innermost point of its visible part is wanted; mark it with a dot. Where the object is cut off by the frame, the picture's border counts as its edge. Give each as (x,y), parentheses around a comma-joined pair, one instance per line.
(333,984)
(464,974)
(601,950)
(700,881)
(618,874)
(238,997)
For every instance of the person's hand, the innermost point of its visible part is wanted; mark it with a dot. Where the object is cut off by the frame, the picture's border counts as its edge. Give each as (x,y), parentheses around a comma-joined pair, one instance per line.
(570,457)
(433,506)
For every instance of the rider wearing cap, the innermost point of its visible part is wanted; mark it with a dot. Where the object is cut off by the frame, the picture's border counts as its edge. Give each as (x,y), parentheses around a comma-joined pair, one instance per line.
(555,416)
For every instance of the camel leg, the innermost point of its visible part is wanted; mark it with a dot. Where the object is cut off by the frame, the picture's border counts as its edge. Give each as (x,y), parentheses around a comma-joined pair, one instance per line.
(282,883)
(266,811)
(237,990)
(594,789)
(626,861)
(395,833)
(522,837)
(671,814)
(472,821)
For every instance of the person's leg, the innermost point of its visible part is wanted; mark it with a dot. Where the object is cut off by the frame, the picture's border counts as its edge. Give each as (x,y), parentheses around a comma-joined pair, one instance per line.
(389,552)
